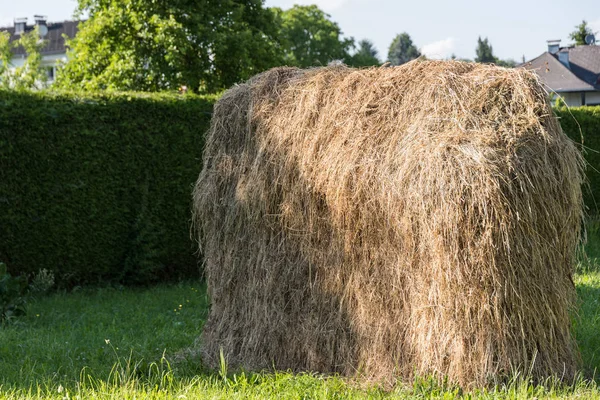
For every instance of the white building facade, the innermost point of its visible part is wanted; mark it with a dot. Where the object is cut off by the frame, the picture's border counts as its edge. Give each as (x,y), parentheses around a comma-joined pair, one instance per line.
(52,33)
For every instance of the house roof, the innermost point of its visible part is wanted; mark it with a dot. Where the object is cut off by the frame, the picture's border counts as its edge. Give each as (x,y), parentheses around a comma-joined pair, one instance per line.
(583,73)
(55,41)
(585,63)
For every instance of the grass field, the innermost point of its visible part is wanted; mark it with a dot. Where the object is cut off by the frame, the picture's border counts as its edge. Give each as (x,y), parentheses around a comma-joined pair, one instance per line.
(115,343)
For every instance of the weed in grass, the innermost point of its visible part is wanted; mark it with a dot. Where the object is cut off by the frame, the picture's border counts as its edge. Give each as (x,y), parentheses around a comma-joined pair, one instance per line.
(42,281)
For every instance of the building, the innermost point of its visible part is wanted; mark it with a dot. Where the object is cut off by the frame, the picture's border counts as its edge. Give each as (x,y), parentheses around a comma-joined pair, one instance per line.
(572,73)
(54,50)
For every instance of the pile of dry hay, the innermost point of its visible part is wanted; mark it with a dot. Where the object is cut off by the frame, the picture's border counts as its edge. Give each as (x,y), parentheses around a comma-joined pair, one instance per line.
(390,222)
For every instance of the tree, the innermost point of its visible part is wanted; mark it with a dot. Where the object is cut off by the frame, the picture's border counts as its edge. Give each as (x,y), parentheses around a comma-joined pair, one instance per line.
(402,50)
(310,38)
(508,63)
(484,52)
(30,75)
(205,45)
(5,58)
(580,32)
(365,56)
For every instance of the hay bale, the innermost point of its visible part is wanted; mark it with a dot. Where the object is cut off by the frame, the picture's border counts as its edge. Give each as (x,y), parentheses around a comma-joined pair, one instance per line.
(388,222)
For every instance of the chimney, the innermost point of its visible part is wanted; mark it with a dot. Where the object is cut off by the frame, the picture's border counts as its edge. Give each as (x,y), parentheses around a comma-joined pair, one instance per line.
(40,21)
(20,24)
(553,46)
(563,57)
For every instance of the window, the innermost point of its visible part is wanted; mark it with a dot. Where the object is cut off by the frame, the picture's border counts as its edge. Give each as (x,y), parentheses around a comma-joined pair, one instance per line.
(50,73)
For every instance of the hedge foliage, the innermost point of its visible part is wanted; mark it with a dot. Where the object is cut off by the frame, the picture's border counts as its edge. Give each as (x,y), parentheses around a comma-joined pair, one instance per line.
(582,124)
(97,187)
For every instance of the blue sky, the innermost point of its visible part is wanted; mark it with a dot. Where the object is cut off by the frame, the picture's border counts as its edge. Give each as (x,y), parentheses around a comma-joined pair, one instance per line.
(440,28)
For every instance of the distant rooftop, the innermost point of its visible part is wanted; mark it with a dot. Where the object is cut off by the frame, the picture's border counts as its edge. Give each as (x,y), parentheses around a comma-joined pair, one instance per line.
(568,69)
(54,37)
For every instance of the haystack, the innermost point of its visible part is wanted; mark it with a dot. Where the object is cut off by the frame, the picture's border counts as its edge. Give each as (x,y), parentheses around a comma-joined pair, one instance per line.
(390,222)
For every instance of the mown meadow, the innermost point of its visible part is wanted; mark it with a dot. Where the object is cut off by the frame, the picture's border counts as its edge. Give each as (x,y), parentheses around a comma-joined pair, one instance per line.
(73,200)
(117,342)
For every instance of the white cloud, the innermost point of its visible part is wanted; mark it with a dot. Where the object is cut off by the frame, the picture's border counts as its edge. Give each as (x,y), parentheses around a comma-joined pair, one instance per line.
(440,49)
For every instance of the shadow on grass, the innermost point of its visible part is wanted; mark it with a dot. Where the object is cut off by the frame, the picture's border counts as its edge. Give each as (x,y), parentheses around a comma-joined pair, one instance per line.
(587,327)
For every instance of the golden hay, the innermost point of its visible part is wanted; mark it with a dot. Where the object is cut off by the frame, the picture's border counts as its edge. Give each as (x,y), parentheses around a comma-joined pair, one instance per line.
(390,222)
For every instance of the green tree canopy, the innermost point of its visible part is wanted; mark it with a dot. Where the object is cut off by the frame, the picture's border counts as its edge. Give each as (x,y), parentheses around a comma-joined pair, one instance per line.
(365,56)
(30,75)
(484,52)
(205,45)
(310,38)
(580,32)
(508,63)
(5,58)
(402,50)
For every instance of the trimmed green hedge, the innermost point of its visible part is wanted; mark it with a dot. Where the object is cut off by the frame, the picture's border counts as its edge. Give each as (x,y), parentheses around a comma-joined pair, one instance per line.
(97,187)
(582,124)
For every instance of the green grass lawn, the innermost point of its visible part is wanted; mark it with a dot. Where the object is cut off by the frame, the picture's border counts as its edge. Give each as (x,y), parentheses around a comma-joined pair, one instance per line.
(115,343)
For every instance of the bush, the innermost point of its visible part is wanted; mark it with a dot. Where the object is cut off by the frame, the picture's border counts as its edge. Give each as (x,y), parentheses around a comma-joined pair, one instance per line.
(582,124)
(97,187)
